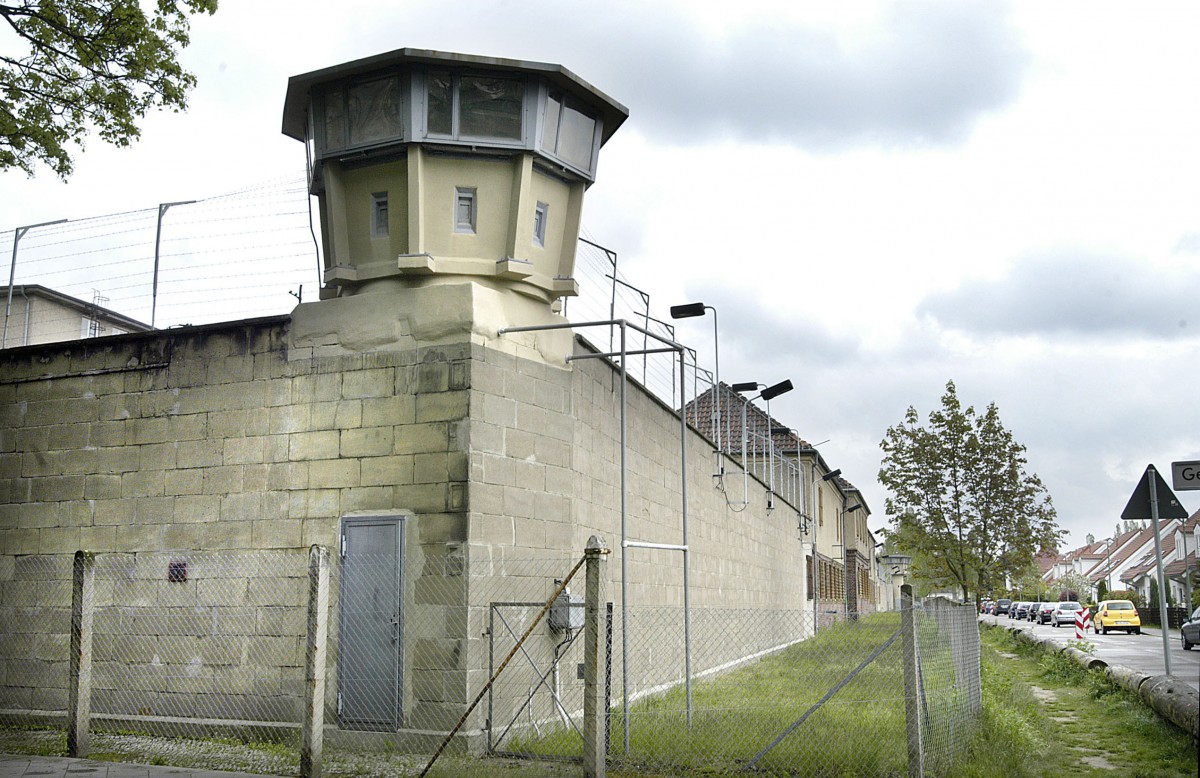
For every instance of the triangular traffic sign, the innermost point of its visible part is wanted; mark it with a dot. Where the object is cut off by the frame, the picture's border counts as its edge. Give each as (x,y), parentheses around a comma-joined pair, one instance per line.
(1139,504)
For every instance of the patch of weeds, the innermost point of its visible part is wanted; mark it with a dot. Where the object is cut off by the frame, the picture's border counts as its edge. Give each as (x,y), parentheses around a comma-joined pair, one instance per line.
(1062,668)
(1091,725)
(1085,646)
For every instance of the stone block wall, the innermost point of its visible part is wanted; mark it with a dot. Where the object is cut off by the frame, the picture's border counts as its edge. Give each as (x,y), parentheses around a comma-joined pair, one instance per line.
(197,441)
(545,475)
(222,440)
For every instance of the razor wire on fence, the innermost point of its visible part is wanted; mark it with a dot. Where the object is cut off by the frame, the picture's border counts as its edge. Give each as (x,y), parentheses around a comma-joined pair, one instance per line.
(213,646)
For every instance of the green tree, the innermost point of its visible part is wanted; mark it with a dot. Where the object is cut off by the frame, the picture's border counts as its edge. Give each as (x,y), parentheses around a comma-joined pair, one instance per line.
(960,500)
(1074,586)
(75,66)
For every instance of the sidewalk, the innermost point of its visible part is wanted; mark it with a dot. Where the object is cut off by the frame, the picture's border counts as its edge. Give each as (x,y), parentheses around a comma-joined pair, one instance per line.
(15,766)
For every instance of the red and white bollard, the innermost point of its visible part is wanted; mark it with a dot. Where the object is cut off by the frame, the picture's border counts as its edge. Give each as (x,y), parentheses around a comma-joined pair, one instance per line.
(1083,620)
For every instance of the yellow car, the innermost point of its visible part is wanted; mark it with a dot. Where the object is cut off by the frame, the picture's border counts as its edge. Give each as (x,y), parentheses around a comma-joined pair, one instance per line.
(1117,614)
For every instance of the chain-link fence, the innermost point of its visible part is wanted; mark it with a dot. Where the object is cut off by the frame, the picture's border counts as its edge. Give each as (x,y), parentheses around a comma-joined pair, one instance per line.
(214,646)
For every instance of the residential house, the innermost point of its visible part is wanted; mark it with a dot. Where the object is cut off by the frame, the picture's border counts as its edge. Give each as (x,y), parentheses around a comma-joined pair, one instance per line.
(34,314)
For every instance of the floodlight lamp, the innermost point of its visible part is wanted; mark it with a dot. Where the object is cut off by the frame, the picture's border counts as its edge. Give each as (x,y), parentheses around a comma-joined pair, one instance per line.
(771,392)
(687,310)
(853,508)
(745,386)
(831,475)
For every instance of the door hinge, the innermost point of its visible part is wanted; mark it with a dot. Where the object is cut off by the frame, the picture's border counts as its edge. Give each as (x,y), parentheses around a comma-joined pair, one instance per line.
(343,545)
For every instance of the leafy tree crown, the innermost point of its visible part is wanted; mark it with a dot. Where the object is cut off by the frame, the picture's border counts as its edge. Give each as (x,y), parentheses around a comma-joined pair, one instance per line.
(960,498)
(87,65)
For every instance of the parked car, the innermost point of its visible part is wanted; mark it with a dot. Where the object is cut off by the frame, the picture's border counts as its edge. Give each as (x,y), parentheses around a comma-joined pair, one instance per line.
(1064,613)
(1002,606)
(1189,633)
(1020,611)
(1117,614)
(1043,612)
(1031,614)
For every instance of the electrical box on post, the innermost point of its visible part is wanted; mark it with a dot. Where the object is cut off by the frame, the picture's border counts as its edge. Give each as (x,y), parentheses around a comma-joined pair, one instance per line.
(566,612)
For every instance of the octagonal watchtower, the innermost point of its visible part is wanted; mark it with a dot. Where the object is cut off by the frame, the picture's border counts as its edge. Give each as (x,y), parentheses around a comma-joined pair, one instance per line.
(439,169)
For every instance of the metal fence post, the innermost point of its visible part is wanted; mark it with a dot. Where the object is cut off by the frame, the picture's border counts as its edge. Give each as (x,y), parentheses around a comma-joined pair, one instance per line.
(316,651)
(594,659)
(912,691)
(83,594)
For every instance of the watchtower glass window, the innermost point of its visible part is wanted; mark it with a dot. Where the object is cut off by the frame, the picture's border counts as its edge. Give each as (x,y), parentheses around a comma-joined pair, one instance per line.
(462,105)
(362,113)
(373,109)
(568,132)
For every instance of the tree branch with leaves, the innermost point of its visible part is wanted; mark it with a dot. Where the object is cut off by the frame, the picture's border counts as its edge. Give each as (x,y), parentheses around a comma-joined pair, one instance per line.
(87,66)
(960,500)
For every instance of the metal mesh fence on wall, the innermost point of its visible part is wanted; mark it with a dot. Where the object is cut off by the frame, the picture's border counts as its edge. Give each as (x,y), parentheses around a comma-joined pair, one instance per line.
(212,645)
(252,252)
(230,256)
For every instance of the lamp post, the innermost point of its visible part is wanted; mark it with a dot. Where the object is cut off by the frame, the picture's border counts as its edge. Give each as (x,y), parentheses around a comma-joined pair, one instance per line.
(767,394)
(691,311)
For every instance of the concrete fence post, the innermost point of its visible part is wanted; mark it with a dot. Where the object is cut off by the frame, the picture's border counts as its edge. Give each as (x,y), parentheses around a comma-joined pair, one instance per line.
(912,688)
(315,654)
(83,594)
(594,658)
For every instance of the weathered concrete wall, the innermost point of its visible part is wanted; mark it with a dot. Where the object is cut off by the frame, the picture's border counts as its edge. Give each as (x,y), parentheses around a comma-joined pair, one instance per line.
(545,475)
(207,440)
(216,439)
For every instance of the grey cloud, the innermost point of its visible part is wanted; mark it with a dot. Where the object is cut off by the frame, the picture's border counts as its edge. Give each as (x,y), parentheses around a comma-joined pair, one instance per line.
(1076,295)
(928,76)
(926,73)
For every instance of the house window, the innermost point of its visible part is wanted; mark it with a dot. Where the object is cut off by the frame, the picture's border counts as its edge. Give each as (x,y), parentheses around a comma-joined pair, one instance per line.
(379,215)
(464,209)
(540,214)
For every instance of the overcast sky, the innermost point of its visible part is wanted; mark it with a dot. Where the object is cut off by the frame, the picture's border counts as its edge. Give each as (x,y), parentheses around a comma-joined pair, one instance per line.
(877,197)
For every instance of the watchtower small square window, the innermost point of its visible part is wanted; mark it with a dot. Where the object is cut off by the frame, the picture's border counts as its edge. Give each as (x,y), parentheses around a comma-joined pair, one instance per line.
(379,215)
(540,214)
(465,207)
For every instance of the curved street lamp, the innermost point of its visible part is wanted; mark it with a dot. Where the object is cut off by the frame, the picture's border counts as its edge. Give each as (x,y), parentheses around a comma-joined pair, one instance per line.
(691,311)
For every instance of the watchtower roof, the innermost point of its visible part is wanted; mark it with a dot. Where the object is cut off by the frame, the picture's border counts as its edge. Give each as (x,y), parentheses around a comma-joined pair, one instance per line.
(295,105)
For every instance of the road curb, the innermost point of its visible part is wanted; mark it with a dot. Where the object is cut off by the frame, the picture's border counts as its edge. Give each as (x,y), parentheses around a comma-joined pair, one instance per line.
(1168,697)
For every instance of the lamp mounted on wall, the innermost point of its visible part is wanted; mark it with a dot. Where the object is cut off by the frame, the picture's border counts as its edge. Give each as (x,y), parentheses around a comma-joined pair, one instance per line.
(768,393)
(771,392)
(691,311)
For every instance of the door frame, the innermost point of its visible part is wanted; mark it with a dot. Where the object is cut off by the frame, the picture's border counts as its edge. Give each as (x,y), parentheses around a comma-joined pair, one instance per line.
(400,521)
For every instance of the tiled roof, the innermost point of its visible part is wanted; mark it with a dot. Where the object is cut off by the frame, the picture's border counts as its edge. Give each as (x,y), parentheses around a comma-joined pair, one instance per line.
(1124,546)
(700,416)
(758,424)
(1148,562)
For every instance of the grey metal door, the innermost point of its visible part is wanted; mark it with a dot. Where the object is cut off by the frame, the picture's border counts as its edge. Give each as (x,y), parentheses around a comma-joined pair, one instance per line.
(371,632)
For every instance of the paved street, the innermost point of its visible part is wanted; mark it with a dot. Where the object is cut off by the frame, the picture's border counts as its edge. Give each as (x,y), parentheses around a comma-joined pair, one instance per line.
(1142,652)
(12,766)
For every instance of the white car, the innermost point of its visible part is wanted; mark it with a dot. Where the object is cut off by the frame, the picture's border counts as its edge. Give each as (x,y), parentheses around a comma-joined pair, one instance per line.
(1064,613)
